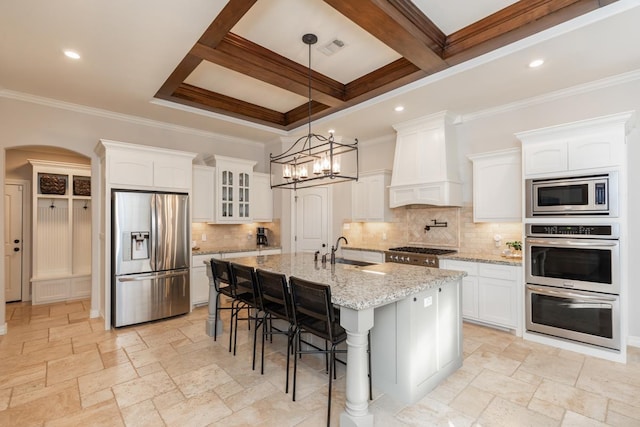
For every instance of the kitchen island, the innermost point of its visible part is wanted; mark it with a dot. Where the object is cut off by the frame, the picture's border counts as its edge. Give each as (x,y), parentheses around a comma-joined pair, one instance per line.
(417,341)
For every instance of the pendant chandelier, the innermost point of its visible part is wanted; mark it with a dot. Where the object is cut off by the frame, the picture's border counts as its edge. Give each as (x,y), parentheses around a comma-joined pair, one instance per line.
(314,159)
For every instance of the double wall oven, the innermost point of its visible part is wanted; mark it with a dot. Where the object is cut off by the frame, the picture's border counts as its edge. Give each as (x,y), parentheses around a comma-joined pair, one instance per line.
(573,280)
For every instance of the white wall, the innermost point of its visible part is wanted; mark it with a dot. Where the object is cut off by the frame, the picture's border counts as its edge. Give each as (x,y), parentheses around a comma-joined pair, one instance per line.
(30,124)
(23,124)
(489,131)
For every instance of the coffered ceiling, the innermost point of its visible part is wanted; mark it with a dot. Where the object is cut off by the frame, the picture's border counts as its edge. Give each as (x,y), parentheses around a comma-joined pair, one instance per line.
(251,63)
(238,68)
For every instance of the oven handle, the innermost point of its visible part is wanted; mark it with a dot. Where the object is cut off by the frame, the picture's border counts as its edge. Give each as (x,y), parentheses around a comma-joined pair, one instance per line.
(551,293)
(573,242)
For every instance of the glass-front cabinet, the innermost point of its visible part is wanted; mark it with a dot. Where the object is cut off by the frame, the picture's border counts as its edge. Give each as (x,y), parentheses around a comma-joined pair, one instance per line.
(233,192)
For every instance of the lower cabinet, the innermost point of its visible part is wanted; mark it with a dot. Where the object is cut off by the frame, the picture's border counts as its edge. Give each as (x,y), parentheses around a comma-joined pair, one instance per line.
(491,293)
(361,255)
(200,278)
(417,342)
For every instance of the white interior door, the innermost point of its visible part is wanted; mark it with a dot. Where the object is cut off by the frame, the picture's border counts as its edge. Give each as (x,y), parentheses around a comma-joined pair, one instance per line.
(13,242)
(311,219)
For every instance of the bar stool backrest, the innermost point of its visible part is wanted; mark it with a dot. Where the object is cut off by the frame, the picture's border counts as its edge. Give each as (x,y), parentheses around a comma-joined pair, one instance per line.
(275,293)
(221,272)
(312,308)
(245,282)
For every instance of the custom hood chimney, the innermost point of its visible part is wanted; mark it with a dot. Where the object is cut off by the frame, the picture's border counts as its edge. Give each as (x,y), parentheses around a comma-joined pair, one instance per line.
(425,166)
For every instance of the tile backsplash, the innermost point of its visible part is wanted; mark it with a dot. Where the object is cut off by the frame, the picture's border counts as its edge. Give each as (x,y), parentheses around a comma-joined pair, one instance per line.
(409,227)
(233,236)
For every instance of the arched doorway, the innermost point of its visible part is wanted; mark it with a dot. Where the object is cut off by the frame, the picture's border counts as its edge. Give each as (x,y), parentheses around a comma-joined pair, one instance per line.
(18,183)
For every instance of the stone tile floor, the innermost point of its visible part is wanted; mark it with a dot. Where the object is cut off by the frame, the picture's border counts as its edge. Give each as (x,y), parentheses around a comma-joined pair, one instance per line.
(60,368)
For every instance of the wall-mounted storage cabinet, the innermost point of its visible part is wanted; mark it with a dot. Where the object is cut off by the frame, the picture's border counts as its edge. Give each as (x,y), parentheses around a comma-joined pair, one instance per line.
(579,146)
(61,267)
(370,197)
(144,167)
(262,203)
(233,190)
(203,202)
(497,186)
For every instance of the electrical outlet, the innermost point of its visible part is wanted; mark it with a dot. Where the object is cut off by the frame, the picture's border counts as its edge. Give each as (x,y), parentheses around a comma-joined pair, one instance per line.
(203,237)
(249,235)
(384,235)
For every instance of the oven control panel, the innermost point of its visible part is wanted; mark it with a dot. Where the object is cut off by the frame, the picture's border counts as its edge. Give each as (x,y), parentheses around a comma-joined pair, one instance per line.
(609,231)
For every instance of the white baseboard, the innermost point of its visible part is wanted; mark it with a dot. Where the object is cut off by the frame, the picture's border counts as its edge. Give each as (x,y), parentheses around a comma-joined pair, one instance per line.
(633,341)
(94,314)
(3,329)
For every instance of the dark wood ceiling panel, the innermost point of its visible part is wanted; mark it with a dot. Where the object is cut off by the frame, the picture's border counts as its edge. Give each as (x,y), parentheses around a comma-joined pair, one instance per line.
(399,24)
(223,104)
(523,18)
(389,25)
(246,57)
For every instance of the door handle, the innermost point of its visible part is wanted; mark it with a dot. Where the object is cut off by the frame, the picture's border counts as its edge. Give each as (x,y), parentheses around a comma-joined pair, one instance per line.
(16,249)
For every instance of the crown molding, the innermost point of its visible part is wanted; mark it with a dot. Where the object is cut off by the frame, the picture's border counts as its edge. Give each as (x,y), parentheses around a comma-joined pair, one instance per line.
(553,96)
(98,112)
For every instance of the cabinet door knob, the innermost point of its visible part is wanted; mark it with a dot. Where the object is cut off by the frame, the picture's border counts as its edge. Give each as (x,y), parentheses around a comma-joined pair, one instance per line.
(16,241)
(16,249)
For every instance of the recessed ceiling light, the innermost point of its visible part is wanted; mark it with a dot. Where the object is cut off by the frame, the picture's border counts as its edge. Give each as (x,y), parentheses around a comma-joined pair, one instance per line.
(536,63)
(399,108)
(71,54)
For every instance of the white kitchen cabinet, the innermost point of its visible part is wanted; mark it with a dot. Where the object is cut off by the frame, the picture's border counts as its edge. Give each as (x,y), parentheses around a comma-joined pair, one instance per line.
(574,147)
(262,202)
(203,200)
(491,293)
(376,257)
(144,167)
(200,279)
(417,342)
(497,186)
(233,190)
(370,197)
(61,252)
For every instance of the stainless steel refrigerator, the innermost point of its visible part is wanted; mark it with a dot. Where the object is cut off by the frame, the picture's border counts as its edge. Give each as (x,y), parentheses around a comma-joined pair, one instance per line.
(150,256)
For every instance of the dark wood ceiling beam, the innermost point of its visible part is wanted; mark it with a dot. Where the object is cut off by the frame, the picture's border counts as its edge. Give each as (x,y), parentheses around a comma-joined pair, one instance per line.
(389,77)
(246,57)
(510,24)
(182,71)
(227,105)
(399,25)
(300,115)
(225,21)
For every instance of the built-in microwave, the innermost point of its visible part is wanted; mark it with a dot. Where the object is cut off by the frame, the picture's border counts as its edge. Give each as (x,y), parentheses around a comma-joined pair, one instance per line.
(589,195)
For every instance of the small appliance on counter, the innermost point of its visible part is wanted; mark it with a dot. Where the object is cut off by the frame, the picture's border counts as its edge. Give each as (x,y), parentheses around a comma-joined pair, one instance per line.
(261,237)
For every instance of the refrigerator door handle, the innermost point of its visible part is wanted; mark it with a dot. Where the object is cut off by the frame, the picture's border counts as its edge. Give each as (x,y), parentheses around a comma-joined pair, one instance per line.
(151,276)
(154,232)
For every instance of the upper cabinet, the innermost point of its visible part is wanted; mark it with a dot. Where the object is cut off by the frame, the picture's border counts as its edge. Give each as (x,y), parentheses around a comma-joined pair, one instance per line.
(262,202)
(144,167)
(370,197)
(233,190)
(497,186)
(579,146)
(203,201)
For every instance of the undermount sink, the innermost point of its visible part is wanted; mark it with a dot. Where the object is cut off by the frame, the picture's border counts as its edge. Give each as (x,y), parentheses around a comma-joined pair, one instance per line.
(353,262)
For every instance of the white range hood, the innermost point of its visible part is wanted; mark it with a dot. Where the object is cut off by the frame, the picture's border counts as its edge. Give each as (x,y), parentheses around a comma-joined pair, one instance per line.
(425,166)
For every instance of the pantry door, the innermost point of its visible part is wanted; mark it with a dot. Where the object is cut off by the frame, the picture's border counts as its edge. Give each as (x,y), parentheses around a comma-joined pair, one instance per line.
(311,219)
(13,241)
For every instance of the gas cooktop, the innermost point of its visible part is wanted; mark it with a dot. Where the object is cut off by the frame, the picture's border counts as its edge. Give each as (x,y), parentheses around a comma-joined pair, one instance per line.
(420,250)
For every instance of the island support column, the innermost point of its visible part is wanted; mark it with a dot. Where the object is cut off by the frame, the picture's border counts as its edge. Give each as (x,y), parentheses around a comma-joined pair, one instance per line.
(357,324)
(209,327)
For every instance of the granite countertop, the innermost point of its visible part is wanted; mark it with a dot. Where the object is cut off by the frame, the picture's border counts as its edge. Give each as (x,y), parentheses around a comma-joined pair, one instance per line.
(489,259)
(233,250)
(461,256)
(357,287)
